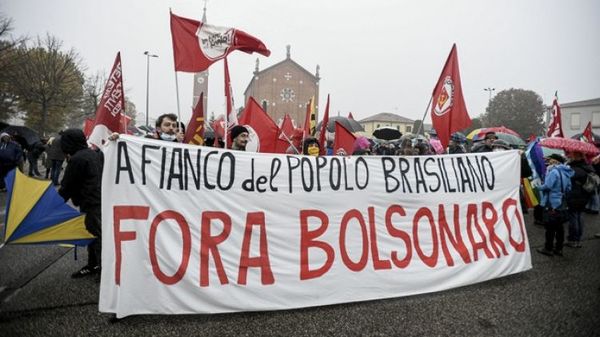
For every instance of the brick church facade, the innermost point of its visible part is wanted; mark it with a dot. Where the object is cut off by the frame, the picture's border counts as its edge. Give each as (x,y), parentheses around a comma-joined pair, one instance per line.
(284,88)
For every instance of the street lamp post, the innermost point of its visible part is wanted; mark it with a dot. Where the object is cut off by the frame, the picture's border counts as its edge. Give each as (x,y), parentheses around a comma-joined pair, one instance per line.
(148,56)
(489,90)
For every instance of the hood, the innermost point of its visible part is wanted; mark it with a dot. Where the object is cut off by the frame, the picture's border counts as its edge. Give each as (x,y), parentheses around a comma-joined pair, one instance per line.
(73,140)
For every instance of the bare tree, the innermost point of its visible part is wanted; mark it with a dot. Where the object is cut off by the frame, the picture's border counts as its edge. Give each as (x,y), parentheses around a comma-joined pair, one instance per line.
(49,83)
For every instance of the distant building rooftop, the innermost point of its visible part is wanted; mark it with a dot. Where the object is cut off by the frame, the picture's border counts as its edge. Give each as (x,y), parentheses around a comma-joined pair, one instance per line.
(386,117)
(588,102)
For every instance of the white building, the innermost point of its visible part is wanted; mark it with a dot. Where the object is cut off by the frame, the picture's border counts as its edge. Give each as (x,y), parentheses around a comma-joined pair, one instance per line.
(576,115)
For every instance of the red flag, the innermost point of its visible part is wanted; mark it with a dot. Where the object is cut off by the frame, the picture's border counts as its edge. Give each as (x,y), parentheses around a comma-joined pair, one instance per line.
(262,126)
(343,139)
(588,135)
(449,113)
(350,116)
(88,126)
(194,134)
(555,127)
(324,124)
(197,45)
(287,128)
(111,107)
(285,134)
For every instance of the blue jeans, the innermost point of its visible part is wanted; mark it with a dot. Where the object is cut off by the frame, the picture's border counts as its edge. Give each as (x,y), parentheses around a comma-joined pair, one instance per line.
(55,171)
(575,226)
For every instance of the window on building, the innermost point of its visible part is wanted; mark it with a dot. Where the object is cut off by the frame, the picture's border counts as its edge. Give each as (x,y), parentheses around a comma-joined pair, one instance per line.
(409,128)
(398,127)
(378,126)
(575,121)
(264,104)
(596,119)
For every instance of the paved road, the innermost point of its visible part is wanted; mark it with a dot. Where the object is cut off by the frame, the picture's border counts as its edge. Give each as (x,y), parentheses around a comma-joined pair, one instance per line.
(558,297)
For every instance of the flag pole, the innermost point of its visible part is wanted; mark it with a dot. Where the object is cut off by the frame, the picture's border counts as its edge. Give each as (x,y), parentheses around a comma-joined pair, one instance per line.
(177,92)
(290,142)
(424,115)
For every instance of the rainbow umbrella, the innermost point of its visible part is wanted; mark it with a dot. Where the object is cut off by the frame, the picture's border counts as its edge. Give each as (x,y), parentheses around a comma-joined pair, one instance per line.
(37,214)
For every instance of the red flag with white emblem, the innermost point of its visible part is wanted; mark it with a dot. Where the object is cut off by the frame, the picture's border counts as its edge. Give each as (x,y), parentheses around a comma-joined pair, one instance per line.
(197,45)
(449,112)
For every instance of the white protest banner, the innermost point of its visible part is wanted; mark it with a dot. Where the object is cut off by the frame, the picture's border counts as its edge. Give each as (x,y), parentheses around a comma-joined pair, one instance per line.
(190,229)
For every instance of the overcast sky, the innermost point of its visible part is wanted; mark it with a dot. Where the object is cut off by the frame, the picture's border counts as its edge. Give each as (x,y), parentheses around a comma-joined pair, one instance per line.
(375,56)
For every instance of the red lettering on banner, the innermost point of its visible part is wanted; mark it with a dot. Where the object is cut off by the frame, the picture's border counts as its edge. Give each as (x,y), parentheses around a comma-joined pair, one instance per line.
(377,262)
(308,240)
(490,222)
(187,247)
(431,260)
(398,233)
(208,245)
(454,238)
(262,261)
(125,213)
(519,246)
(360,265)
(477,245)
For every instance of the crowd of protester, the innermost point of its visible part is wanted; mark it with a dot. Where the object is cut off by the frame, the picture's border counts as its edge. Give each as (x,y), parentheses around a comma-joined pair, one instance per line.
(562,197)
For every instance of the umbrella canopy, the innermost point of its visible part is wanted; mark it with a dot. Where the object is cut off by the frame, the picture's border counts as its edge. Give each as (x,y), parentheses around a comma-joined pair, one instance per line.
(22,135)
(387,133)
(479,134)
(350,124)
(509,138)
(36,213)
(569,145)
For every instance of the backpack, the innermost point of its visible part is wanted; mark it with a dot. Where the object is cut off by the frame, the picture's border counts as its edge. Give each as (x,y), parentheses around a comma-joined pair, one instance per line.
(592,182)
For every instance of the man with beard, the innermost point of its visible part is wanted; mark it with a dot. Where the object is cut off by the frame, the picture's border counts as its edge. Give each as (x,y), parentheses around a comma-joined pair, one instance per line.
(239,138)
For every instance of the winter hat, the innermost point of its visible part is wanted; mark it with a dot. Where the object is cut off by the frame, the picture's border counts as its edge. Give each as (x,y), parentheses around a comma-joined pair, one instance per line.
(557,157)
(237,130)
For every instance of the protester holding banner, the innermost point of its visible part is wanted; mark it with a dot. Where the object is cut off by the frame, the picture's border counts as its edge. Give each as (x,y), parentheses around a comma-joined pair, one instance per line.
(577,198)
(456,145)
(239,138)
(486,144)
(311,147)
(166,125)
(556,185)
(82,184)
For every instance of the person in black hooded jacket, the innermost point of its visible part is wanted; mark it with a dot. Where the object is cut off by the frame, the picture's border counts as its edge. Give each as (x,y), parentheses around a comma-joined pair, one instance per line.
(577,198)
(82,183)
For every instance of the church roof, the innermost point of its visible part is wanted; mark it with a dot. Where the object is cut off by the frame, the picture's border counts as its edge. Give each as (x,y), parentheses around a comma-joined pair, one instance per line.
(386,117)
(268,69)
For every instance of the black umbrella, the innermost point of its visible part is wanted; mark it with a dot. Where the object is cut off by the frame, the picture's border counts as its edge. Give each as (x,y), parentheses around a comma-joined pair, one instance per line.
(348,123)
(387,133)
(23,135)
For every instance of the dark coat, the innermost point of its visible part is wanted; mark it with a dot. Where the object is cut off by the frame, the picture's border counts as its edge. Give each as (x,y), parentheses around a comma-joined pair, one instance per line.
(55,151)
(10,154)
(578,197)
(82,180)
